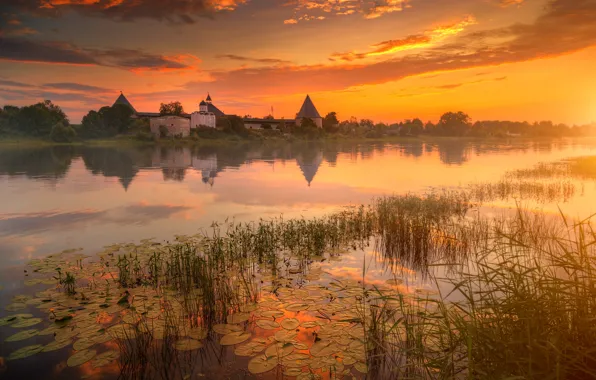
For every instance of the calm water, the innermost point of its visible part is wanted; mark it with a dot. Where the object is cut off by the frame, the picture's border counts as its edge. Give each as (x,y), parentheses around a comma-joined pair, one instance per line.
(67,197)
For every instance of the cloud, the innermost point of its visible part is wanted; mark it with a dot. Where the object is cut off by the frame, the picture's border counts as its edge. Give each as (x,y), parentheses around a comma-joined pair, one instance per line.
(10,83)
(76,87)
(172,11)
(416,41)
(241,58)
(571,24)
(506,3)
(317,9)
(23,50)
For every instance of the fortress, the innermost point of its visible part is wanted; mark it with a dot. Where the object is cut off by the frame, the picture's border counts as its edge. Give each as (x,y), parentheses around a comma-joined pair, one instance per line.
(208,114)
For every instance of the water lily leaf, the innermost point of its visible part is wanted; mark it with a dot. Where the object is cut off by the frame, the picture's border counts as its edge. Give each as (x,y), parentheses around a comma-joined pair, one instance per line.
(198,333)
(279,350)
(15,306)
(25,352)
(262,364)
(56,345)
(188,345)
(272,313)
(26,334)
(26,322)
(83,344)
(105,358)
(361,367)
(394,281)
(321,349)
(309,324)
(235,337)
(80,357)
(224,329)
(297,307)
(13,318)
(238,318)
(290,323)
(267,324)
(285,336)
(122,332)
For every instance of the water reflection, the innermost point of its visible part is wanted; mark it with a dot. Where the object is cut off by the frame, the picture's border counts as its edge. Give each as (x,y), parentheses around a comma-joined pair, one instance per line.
(125,163)
(88,196)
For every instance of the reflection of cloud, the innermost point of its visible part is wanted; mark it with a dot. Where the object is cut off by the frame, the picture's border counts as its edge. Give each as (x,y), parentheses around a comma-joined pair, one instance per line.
(21,224)
(33,223)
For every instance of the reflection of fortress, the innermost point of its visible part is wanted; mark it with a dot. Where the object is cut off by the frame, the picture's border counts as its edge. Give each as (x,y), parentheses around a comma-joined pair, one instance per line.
(53,163)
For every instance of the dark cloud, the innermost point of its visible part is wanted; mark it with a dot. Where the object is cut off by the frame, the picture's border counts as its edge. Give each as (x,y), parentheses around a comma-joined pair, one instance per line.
(23,50)
(564,27)
(76,87)
(172,11)
(241,58)
(10,83)
(37,94)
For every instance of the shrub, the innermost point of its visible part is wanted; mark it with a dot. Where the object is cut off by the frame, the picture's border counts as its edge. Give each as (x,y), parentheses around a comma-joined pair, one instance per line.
(62,133)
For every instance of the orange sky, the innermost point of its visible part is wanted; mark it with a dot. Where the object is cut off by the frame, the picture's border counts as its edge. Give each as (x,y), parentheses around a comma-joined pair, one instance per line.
(386,59)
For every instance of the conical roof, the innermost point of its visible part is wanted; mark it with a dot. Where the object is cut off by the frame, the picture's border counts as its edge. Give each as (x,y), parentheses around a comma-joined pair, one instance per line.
(122,100)
(308,110)
(208,97)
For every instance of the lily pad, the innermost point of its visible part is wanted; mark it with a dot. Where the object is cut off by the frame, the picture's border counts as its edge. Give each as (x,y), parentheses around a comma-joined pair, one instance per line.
(188,345)
(267,324)
(262,364)
(56,345)
(81,357)
(235,337)
(297,307)
(224,329)
(15,306)
(26,322)
(105,358)
(13,318)
(279,350)
(26,334)
(285,336)
(83,344)
(238,318)
(361,367)
(290,323)
(25,352)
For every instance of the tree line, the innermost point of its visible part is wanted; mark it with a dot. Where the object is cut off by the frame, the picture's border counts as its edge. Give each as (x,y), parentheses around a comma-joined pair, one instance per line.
(48,121)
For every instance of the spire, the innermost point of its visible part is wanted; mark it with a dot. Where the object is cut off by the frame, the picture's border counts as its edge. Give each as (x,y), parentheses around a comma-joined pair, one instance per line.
(308,110)
(208,98)
(122,100)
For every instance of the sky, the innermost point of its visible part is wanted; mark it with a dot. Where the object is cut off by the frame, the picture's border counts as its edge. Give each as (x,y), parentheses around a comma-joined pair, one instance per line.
(386,60)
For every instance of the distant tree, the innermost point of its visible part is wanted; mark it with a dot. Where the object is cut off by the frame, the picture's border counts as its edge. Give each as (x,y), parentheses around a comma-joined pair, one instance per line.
(8,119)
(282,127)
(266,126)
(247,116)
(454,123)
(331,123)
(269,117)
(367,123)
(233,124)
(106,122)
(171,109)
(62,133)
(307,122)
(39,119)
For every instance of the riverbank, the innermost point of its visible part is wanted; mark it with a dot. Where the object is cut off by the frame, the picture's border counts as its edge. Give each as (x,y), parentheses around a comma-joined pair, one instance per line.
(257,138)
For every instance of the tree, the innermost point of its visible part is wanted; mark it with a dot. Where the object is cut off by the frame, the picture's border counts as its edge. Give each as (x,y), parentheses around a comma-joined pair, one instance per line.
(454,124)
(106,122)
(171,109)
(62,133)
(269,117)
(367,123)
(331,123)
(39,119)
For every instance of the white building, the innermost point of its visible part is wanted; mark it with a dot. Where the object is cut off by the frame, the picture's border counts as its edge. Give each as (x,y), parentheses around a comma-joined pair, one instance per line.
(207,114)
(176,125)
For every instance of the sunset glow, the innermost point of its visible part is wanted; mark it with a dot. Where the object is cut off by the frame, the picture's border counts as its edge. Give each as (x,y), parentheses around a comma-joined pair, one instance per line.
(521,60)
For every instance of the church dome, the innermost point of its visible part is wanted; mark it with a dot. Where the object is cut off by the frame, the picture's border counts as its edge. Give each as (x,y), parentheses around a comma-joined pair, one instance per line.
(203,103)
